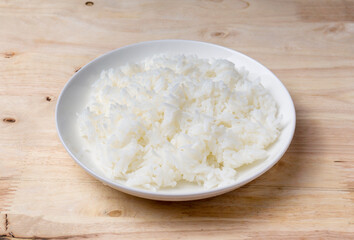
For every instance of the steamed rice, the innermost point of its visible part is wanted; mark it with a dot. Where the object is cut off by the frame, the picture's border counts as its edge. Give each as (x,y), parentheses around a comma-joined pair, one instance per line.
(178,118)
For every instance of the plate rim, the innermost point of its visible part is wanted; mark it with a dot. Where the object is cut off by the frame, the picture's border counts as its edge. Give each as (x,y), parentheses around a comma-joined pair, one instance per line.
(205,193)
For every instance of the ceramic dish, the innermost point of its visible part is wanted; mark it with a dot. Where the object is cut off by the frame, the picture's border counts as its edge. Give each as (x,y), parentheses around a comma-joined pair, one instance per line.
(74,97)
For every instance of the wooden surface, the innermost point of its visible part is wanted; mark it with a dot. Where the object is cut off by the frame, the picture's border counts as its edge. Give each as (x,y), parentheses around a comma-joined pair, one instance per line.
(309,45)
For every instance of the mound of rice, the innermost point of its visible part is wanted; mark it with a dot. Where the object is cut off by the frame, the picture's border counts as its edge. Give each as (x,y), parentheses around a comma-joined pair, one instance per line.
(178,118)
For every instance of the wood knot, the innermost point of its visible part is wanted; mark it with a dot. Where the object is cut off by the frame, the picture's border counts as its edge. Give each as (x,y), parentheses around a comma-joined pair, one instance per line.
(9,120)
(6,222)
(9,54)
(336,28)
(219,34)
(48,98)
(115,213)
(89,4)
(246,4)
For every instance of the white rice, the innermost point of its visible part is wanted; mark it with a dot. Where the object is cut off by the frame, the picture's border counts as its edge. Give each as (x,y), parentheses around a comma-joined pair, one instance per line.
(178,118)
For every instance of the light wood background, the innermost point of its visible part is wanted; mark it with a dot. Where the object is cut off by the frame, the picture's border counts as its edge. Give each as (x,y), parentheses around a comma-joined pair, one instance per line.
(309,45)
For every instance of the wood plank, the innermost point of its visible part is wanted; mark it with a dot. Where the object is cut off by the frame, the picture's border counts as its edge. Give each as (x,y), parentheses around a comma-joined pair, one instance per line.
(309,45)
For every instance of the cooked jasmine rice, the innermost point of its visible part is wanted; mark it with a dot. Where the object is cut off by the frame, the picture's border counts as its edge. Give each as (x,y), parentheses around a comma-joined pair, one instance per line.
(178,118)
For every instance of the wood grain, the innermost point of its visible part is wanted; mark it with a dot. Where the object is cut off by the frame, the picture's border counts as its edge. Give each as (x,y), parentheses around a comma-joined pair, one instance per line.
(309,194)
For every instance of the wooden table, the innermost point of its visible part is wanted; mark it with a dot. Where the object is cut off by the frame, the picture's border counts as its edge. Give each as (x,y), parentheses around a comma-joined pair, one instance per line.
(308,44)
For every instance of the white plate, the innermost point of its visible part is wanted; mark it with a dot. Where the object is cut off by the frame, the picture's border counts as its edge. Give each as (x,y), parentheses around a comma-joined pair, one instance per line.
(75,94)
